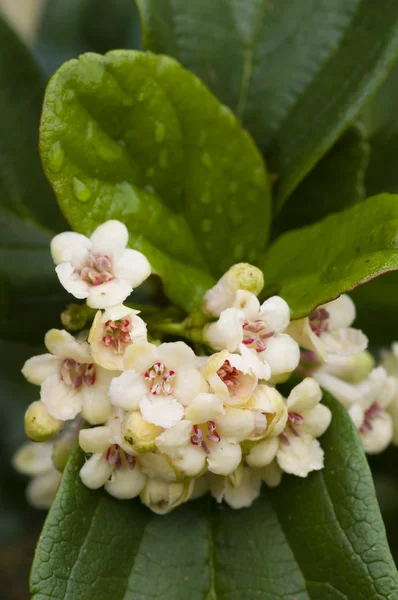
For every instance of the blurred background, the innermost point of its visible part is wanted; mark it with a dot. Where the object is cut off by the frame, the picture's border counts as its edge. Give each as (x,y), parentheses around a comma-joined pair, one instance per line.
(56,30)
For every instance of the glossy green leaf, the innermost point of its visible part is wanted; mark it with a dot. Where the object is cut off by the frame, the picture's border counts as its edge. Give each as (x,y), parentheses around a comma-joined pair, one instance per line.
(335,183)
(135,137)
(287,545)
(315,264)
(68,28)
(295,73)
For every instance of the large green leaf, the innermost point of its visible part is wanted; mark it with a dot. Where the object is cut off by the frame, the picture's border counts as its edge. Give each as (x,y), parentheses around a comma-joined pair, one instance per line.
(315,264)
(295,73)
(336,182)
(321,538)
(68,28)
(134,136)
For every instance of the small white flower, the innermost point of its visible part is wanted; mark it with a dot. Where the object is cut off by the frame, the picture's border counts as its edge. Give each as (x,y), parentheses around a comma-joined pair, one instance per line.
(111,464)
(100,269)
(241,276)
(327,330)
(160,382)
(256,330)
(70,381)
(238,490)
(34,459)
(367,403)
(162,497)
(112,332)
(296,449)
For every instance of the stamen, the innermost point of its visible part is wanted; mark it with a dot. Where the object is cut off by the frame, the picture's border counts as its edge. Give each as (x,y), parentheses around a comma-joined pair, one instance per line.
(161,379)
(254,334)
(117,335)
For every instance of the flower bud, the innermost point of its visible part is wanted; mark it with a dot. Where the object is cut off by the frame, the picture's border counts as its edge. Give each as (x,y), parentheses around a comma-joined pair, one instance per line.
(77,316)
(241,276)
(351,369)
(162,497)
(138,434)
(39,424)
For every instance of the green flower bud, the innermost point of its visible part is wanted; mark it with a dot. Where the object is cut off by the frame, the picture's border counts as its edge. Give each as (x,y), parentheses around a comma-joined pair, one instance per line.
(40,426)
(138,433)
(241,276)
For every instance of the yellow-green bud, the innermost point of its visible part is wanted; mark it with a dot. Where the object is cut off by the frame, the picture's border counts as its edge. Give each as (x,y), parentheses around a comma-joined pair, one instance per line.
(138,433)
(247,277)
(241,276)
(40,426)
(351,369)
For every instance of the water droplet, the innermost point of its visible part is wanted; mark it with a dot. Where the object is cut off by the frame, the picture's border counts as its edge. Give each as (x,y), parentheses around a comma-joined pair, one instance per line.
(235,213)
(239,252)
(205,198)
(227,114)
(141,97)
(150,172)
(82,191)
(233,186)
(202,139)
(163,158)
(150,188)
(160,131)
(258,177)
(109,152)
(56,157)
(206,160)
(206,225)
(90,130)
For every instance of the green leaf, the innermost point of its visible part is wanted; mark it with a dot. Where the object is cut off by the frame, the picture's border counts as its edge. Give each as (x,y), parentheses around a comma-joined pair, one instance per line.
(295,73)
(68,28)
(315,264)
(286,545)
(135,137)
(335,183)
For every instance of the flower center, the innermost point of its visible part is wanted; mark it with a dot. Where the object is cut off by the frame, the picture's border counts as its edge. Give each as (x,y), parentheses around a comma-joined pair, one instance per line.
(229,375)
(371,413)
(117,335)
(319,321)
(116,456)
(77,374)
(199,436)
(97,269)
(293,419)
(254,335)
(160,379)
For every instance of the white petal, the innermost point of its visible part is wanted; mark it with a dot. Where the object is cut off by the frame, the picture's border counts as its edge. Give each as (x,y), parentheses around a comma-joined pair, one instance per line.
(126,483)
(301,456)
(344,341)
(110,239)
(173,440)
(227,332)
(71,281)
(271,474)
(96,471)
(133,267)
(41,490)
(302,333)
(163,497)
(108,294)
(316,420)
(357,415)
(38,368)
(162,411)
(224,458)
(70,247)
(96,406)
(188,384)
(263,453)
(236,424)
(95,440)
(248,305)
(380,436)
(282,354)
(63,345)
(346,393)
(157,465)
(204,407)
(176,355)
(243,495)
(60,400)
(127,390)
(258,367)
(140,357)
(304,396)
(33,458)
(275,312)
(393,410)
(192,461)
(341,312)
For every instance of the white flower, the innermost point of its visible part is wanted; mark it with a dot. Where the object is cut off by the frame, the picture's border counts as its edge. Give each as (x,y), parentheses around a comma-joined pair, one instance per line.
(112,332)
(162,497)
(34,459)
(111,464)
(100,269)
(70,382)
(249,326)
(296,449)
(239,490)
(241,276)
(327,330)
(366,403)
(161,380)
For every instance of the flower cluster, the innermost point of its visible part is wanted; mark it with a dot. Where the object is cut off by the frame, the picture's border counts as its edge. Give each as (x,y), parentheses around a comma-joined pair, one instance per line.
(168,421)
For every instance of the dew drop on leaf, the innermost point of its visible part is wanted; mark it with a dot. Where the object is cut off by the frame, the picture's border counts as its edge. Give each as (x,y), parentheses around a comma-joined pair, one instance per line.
(82,191)
(206,160)
(206,225)
(160,131)
(56,157)
(205,198)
